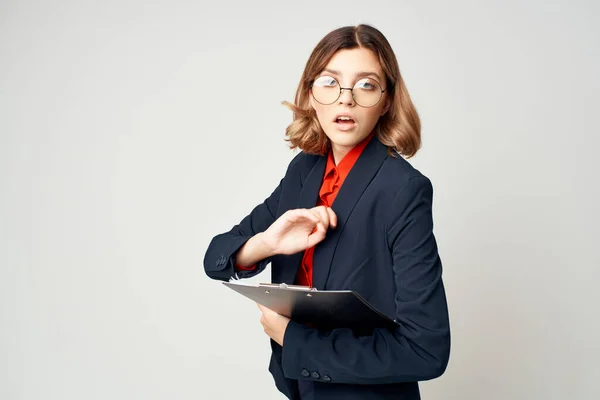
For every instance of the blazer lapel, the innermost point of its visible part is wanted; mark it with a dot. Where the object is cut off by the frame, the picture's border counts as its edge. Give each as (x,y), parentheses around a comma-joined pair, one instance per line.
(361,174)
(307,199)
(312,184)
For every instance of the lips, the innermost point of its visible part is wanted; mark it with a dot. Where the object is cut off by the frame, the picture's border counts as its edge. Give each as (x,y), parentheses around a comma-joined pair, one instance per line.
(344,121)
(344,124)
(344,117)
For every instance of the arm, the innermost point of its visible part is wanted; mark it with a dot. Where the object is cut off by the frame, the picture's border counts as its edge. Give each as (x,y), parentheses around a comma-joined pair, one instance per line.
(254,250)
(222,252)
(419,348)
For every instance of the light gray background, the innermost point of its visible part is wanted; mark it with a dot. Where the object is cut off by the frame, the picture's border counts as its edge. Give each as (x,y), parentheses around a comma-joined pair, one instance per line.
(131,132)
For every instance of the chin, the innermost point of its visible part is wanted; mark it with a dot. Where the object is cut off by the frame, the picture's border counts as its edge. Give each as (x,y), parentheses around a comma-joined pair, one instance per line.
(346,138)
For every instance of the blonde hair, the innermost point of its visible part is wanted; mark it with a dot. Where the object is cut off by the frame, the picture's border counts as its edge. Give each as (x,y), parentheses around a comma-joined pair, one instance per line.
(399,128)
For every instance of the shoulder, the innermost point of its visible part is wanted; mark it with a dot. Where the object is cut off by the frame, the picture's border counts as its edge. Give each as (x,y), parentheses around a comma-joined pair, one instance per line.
(400,173)
(408,194)
(303,159)
(302,164)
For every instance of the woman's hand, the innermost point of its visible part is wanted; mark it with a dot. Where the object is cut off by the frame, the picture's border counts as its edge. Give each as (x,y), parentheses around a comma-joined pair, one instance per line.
(299,229)
(273,324)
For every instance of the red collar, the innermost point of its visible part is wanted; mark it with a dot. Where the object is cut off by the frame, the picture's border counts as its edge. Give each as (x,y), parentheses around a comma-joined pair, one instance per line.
(348,161)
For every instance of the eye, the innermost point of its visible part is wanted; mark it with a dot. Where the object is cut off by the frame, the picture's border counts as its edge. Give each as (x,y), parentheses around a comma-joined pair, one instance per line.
(325,81)
(366,84)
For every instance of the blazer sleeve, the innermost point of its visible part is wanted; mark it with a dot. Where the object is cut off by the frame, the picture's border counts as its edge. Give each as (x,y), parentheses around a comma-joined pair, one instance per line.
(219,260)
(419,348)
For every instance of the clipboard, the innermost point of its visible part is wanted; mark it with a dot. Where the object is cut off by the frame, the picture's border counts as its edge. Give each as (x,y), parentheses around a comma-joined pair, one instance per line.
(326,309)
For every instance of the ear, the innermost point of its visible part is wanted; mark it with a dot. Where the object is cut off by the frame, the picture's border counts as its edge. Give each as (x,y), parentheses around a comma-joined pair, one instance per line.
(386,107)
(311,99)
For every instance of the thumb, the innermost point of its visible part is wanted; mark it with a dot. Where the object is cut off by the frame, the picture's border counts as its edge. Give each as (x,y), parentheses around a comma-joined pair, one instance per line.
(317,236)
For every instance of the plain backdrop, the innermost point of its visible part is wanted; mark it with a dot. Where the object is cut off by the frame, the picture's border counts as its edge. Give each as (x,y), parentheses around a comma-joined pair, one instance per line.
(132,132)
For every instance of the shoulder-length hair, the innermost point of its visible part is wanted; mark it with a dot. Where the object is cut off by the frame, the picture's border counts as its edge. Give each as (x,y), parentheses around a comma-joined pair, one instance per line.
(399,128)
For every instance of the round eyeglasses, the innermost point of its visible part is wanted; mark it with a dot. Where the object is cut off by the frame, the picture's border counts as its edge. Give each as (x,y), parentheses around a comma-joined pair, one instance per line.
(366,92)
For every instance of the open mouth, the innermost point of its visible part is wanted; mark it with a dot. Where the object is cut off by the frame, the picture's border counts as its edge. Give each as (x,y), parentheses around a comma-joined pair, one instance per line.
(344,120)
(345,123)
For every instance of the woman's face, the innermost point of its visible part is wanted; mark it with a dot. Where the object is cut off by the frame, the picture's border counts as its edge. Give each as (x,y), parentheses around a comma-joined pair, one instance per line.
(348,67)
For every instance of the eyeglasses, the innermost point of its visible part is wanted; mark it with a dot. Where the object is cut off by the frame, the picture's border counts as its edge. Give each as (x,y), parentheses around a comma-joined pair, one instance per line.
(366,92)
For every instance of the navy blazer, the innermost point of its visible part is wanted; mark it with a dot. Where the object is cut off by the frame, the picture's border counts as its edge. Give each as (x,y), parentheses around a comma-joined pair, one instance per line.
(382,248)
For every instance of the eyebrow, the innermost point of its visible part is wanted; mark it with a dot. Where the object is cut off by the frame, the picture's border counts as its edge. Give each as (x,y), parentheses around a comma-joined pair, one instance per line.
(358,74)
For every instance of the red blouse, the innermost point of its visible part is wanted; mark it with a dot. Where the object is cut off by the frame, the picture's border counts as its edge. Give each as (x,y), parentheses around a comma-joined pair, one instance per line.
(332,182)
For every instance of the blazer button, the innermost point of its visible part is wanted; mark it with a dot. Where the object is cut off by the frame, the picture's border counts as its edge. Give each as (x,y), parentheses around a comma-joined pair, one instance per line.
(326,378)
(305,373)
(316,375)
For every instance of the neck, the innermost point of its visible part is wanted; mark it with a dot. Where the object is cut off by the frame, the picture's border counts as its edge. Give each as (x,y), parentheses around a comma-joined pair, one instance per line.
(339,152)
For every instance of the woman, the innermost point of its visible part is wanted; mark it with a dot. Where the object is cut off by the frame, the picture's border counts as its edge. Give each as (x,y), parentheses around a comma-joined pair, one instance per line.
(350,213)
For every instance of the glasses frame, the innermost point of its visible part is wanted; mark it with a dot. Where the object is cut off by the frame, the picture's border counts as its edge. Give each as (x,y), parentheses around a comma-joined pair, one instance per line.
(350,89)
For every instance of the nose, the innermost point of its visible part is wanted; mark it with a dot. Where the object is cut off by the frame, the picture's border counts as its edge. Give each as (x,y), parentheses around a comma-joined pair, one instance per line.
(346,96)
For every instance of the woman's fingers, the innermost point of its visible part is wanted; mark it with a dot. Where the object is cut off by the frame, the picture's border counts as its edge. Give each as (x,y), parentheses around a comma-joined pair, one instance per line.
(332,217)
(298,215)
(327,215)
(323,215)
(299,229)
(317,236)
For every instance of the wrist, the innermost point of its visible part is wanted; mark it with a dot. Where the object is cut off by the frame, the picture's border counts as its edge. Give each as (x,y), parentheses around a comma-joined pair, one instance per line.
(268,248)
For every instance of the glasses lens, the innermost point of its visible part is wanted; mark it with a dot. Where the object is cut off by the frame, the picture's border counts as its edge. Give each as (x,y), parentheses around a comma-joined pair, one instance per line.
(367,92)
(326,89)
